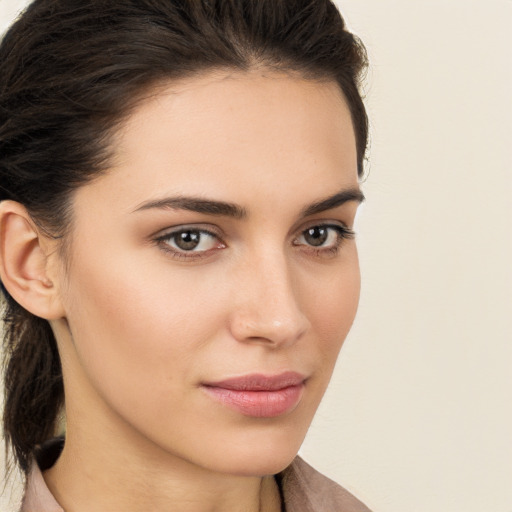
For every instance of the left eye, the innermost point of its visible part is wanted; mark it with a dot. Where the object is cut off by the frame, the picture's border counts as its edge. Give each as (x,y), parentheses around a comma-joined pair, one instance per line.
(324,236)
(190,240)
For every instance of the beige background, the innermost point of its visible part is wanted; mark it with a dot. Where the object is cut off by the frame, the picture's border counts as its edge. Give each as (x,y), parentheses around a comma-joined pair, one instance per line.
(418,417)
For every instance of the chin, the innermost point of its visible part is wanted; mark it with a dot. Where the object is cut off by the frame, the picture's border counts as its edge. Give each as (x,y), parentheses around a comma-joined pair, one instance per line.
(224,441)
(270,464)
(259,454)
(265,462)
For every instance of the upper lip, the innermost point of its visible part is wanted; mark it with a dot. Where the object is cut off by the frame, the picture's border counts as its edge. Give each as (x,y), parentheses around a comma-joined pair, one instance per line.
(259,382)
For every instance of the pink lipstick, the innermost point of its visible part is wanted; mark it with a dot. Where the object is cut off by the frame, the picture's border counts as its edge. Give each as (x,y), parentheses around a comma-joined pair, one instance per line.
(258,395)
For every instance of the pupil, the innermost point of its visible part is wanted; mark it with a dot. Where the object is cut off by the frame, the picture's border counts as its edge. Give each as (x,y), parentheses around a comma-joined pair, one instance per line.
(188,240)
(316,236)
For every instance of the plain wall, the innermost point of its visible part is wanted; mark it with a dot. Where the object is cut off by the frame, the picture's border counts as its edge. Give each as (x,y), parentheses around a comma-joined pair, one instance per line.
(418,415)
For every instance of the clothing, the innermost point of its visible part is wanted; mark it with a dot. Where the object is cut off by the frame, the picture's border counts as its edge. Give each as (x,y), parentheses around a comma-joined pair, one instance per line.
(302,488)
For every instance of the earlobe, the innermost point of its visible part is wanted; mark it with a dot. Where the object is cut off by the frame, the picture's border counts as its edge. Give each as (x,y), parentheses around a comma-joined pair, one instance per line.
(24,263)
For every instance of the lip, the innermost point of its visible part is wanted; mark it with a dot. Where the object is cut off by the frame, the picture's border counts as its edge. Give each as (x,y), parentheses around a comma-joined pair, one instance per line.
(257,395)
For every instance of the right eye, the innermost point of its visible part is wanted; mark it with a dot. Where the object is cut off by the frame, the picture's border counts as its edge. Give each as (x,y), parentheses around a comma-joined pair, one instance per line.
(190,242)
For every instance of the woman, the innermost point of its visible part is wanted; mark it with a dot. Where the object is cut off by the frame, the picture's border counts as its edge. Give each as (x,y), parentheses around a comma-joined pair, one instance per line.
(179,182)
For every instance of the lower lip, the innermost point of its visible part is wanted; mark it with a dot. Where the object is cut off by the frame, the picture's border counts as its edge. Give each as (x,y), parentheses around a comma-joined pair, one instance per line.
(259,404)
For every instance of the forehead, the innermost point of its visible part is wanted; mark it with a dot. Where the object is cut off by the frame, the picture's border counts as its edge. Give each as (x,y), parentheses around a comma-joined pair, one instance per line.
(232,135)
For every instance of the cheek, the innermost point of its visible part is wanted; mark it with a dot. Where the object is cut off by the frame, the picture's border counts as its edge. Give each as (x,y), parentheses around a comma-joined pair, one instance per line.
(136,330)
(332,304)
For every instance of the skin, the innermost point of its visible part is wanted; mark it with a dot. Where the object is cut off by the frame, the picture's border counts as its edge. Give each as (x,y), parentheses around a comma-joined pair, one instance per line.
(141,327)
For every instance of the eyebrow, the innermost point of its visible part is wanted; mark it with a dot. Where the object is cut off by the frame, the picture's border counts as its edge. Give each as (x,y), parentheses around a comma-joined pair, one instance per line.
(345,196)
(226,209)
(196,204)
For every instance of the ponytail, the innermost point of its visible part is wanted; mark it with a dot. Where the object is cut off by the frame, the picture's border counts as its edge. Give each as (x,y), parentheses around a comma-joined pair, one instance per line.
(34,392)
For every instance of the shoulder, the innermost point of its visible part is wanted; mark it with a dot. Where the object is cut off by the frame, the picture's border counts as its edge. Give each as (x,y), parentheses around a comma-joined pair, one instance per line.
(38,497)
(306,490)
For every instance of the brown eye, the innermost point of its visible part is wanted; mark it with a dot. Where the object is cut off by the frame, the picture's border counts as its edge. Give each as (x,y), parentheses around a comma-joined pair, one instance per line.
(324,237)
(187,240)
(195,241)
(316,236)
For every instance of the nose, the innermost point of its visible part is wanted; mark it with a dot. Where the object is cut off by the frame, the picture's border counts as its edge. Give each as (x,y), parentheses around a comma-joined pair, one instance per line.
(268,309)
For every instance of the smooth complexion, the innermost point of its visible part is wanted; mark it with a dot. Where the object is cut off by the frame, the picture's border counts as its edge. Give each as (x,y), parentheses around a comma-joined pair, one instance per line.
(217,249)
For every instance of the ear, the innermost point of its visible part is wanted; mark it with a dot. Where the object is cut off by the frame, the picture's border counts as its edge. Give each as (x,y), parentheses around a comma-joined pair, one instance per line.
(24,263)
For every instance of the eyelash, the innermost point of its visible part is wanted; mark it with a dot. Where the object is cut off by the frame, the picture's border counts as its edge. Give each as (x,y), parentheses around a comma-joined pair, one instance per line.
(163,242)
(342,233)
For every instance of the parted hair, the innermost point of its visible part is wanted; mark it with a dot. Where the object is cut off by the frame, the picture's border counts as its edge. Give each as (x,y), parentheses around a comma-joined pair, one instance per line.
(71,71)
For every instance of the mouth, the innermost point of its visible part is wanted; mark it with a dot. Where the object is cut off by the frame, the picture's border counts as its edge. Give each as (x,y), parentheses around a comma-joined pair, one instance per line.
(257,395)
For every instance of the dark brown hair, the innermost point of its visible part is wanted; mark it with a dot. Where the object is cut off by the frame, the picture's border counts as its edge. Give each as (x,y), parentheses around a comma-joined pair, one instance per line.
(70,71)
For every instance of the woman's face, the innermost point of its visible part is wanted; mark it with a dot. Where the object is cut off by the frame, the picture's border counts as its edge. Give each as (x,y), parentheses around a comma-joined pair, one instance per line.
(212,274)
